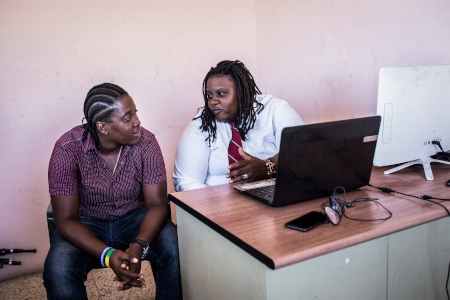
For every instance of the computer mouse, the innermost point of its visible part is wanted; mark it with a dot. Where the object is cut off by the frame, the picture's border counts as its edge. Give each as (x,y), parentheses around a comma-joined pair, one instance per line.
(448,183)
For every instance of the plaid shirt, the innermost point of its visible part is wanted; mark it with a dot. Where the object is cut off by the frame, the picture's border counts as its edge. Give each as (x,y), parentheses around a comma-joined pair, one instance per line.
(76,167)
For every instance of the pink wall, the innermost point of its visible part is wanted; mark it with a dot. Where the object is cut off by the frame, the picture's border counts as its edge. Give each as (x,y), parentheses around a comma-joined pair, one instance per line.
(52,52)
(322,56)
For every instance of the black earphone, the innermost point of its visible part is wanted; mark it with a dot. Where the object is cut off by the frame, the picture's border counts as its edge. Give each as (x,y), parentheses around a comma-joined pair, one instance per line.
(336,207)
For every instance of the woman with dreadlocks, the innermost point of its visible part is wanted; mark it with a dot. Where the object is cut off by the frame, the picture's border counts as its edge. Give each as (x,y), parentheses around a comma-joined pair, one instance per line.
(108,190)
(235,137)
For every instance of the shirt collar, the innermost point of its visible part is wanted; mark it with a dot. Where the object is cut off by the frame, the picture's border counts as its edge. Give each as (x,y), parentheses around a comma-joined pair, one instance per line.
(89,143)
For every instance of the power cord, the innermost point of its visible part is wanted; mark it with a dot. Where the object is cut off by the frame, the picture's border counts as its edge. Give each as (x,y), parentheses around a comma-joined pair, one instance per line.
(351,204)
(441,155)
(423,197)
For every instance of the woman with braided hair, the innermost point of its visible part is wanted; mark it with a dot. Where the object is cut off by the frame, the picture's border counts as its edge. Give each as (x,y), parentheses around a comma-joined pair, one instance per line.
(235,137)
(107,182)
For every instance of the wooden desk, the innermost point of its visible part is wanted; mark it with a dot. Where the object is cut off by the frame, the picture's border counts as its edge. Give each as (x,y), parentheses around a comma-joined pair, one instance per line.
(233,247)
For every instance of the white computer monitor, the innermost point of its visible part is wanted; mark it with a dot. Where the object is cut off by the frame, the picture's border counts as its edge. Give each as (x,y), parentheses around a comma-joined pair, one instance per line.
(414,105)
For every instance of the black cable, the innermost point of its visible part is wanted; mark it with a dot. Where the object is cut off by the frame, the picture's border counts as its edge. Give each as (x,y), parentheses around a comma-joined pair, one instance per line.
(336,202)
(440,155)
(439,145)
(372,200)
(423,197)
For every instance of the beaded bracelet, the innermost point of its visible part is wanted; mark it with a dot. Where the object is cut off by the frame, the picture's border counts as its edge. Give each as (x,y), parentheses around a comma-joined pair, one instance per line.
(271,171)
(102,258)
(108,255)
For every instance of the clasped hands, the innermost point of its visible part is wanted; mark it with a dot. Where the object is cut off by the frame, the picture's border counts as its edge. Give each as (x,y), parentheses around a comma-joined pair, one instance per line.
(249,169)
(127,266)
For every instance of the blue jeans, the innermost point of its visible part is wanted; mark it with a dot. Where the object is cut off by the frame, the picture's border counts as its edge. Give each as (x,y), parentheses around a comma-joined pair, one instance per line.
(66,267)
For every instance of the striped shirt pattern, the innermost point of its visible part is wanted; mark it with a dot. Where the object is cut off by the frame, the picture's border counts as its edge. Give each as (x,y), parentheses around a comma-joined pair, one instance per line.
(76,167)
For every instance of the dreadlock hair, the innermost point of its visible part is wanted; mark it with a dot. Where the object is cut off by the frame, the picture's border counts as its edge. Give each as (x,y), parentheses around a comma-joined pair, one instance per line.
(99,105)
(246,90)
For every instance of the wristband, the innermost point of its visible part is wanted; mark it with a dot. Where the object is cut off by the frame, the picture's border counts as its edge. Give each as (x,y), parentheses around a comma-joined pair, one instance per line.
(102,257)
(271,171)
(107,256)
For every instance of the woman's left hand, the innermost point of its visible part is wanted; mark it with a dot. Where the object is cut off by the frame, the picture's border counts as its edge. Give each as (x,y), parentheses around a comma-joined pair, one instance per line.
(249,169)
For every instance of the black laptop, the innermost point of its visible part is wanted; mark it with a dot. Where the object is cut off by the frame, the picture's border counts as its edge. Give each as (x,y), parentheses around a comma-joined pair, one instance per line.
(315,159)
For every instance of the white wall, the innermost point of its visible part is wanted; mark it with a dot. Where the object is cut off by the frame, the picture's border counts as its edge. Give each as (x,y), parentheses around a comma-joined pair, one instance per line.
(323,56)
(52,52)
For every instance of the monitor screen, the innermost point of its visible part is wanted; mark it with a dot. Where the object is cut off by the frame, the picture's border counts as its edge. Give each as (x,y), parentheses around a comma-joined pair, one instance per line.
(414,104)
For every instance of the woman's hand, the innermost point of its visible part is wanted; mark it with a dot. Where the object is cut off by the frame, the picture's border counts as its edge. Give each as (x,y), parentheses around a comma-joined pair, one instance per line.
(249,169)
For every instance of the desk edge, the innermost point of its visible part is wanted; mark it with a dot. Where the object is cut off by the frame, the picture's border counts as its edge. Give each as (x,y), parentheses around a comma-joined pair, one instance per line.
(226,234)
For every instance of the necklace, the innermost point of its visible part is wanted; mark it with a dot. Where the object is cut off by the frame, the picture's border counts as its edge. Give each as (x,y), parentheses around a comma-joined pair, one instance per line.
(117,161)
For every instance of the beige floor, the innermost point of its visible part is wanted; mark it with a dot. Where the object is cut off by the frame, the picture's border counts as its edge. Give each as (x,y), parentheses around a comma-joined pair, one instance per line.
(100,285)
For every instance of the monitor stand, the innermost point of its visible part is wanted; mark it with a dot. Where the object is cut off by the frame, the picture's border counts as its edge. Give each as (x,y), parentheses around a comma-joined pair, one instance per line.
(426,166)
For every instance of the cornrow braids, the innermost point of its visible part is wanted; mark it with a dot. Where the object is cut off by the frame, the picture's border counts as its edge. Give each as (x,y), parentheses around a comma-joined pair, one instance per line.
(246,91)
(99,105)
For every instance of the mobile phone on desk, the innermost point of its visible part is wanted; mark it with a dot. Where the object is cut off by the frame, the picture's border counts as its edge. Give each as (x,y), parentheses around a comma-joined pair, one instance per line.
(307,221)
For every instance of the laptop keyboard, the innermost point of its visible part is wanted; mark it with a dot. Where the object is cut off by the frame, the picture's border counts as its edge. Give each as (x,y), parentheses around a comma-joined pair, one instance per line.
(263,189)
(265,192)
